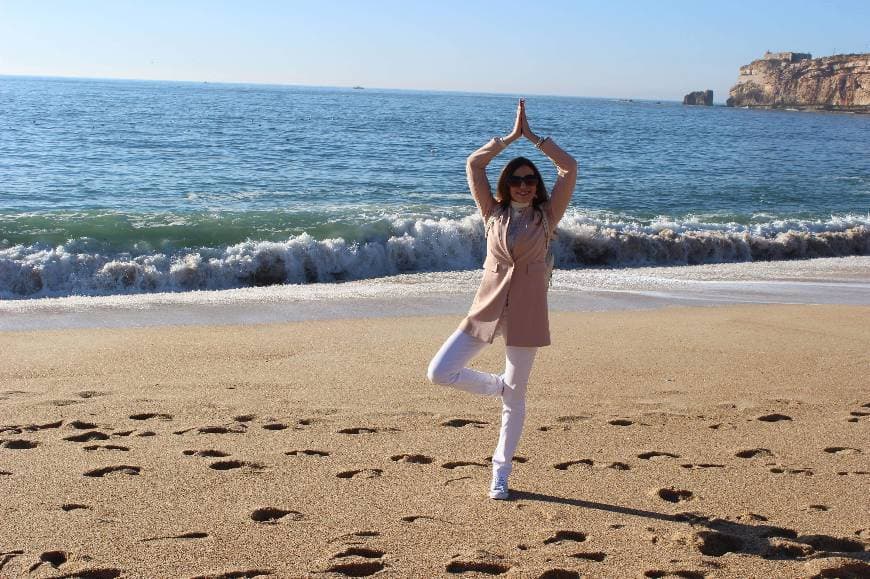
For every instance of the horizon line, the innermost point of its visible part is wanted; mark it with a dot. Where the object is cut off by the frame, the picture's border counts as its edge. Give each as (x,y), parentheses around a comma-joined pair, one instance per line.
(276,84)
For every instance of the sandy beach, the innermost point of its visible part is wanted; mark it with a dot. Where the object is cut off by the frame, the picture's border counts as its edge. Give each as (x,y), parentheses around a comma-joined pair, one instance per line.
(687,442)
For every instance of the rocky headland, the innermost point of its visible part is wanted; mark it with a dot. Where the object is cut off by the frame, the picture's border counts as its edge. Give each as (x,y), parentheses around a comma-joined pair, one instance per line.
(782,80)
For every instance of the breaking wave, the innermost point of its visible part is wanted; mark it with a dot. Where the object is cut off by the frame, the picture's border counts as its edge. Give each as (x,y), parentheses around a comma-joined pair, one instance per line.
(83,267)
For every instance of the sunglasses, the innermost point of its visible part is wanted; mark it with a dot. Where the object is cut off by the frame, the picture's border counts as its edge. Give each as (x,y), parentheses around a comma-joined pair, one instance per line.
(516,181)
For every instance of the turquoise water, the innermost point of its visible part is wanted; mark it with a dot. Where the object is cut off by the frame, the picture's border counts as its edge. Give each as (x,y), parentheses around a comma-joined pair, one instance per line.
(134,186)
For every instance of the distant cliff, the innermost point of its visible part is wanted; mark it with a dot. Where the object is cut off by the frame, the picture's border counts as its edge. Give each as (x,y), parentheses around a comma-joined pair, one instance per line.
(797,80)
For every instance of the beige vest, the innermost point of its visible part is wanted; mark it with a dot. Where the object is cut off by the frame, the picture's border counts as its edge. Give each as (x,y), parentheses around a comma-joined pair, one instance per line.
(514,285)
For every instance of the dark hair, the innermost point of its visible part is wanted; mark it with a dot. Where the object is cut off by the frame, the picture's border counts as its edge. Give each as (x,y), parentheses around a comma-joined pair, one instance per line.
(502,190)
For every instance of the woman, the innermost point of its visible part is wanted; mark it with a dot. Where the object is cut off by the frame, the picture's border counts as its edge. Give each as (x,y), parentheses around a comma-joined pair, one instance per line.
(512,298)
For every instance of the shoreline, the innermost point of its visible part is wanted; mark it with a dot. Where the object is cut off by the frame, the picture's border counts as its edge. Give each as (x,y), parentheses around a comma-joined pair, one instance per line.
(818,281)
(728,442)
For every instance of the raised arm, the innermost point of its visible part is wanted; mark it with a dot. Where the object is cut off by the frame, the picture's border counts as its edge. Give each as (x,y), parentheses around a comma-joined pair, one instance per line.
(566,169)
(566,180)
(475,166)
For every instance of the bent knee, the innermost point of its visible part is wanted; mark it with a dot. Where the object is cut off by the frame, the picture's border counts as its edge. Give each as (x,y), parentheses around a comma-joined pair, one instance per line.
(440,375)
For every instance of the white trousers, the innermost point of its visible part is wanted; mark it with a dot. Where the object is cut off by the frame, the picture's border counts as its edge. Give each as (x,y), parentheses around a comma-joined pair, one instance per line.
(448,368)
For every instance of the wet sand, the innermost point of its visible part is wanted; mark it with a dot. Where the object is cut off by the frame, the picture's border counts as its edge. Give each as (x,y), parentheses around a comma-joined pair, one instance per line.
(696,442)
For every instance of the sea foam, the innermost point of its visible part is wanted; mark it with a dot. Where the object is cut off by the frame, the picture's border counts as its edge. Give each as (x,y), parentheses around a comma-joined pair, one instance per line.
(80,267)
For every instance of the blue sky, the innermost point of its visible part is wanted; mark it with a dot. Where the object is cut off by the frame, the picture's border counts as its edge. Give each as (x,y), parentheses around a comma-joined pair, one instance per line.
(634,49)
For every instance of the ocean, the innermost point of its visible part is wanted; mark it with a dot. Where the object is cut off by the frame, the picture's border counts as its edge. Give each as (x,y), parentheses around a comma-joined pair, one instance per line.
(115,187)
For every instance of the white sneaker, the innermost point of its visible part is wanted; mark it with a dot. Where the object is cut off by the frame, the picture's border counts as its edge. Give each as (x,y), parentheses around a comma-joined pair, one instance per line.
(498,489)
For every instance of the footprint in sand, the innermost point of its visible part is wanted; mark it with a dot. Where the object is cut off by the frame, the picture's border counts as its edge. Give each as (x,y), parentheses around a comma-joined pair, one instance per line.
(205,453)
(88,436)
(275,426)
(110,470)
(63,402)
(244,417)
(716,544)
(673,495)
(620,422)
(682,574)
(82,425)
(559,573)
(566,536)
(412,458)
(73,507)
(786,470)
(619,466)
(234,429)
(234,464)
(5,473)
(478,562)
(357,562)
(583,462)
(150,415)
(829,543)
(753,453)
(460,463)
(19,444)
(53,558)
(701,465)
(362,473)
(655,455)
(358,430)
(106,447)
(271,515)
(596,556)
(773,417)
(460,422)
(35,427)
(307,452)
(842,450)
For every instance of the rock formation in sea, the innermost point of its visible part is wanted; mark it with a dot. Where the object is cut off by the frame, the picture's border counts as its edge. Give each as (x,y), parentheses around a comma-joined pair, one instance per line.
(797,80)
(699,97)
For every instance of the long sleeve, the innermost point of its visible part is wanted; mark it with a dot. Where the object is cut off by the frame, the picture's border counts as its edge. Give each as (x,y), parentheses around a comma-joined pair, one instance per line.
(566,167)
(475,169)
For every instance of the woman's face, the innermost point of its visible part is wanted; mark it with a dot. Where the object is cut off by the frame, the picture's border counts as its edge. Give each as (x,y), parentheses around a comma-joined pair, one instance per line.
(523,184)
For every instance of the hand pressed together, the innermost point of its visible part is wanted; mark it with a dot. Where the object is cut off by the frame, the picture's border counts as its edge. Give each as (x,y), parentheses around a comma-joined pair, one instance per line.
(521,126)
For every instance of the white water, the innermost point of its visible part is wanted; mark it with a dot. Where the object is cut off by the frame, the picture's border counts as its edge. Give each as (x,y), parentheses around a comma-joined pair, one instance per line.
(819,281)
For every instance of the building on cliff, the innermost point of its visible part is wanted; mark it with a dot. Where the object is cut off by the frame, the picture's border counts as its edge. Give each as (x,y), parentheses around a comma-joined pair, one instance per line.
(796,80)
(787,56)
